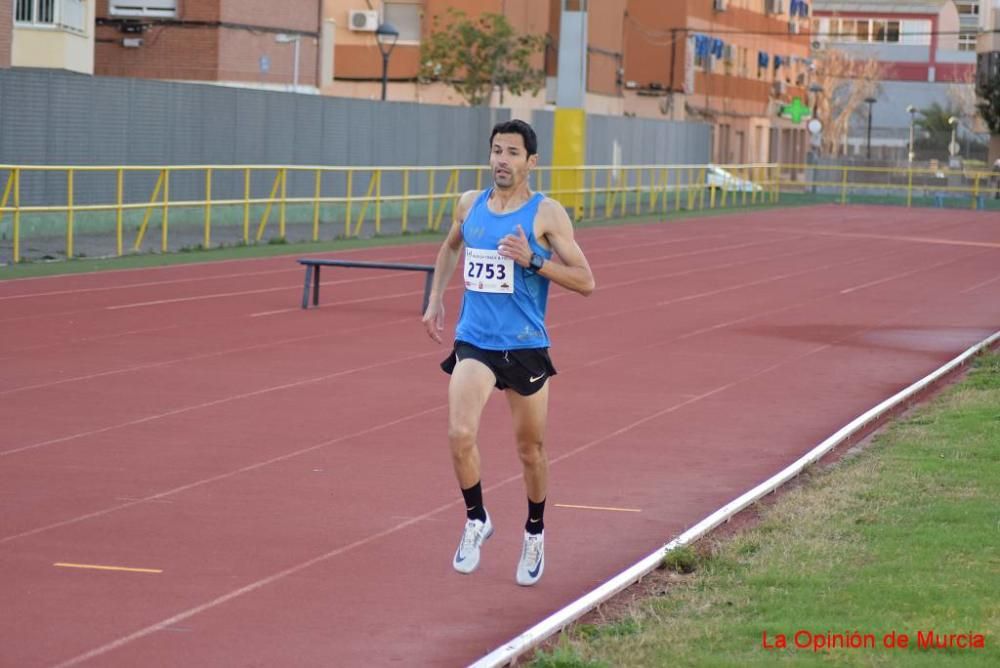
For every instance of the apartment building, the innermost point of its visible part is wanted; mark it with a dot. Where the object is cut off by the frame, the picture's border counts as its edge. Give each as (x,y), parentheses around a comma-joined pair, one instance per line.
(926,50)
(734,63)
(51,34)
(255,43)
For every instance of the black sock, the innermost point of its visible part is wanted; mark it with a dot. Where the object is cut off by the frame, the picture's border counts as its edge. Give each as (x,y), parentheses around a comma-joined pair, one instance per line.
(536,511)
(474,509)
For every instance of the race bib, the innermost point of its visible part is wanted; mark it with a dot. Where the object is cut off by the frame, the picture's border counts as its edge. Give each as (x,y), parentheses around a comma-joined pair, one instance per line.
(488,271)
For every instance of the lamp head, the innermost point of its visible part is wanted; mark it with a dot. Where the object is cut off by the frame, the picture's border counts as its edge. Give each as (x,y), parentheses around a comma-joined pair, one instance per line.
(386,32)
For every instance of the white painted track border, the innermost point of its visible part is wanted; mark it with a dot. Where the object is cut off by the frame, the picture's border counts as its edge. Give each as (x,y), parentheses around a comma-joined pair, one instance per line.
(514,648)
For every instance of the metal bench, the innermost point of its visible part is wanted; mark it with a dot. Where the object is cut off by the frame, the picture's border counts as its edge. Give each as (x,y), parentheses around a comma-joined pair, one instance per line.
(313,266)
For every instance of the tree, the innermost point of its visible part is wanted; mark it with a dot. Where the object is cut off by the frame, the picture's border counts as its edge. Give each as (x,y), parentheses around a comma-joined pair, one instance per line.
(845,83)
(962,97)
(934,119)
(477,56)
(935,128)
(989,107)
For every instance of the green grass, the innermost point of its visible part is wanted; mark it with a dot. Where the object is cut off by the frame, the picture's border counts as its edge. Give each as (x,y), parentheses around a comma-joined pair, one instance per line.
(918,201)
(270,248)
(902,537)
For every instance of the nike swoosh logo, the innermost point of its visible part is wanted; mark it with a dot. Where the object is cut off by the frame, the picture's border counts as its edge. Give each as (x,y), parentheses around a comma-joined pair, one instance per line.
(459,558)
(538,567)
(535,379)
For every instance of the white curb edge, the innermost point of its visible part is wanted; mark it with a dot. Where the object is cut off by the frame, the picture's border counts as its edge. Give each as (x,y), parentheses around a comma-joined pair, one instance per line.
(517,646)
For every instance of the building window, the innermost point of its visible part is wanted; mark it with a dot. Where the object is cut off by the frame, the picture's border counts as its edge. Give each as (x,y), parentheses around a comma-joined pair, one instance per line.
(167,8)
(915,33)
(892,32)
(67,14)
(878,31)
(967,7)
(865,30)
(861,30)
(404,17)
(35,12)
(968,20)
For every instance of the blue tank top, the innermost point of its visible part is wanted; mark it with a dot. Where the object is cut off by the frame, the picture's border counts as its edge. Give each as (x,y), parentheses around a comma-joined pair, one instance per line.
(502,321)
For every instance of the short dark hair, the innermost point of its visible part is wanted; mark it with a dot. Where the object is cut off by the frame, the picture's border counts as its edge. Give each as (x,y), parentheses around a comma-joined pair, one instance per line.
(517,126)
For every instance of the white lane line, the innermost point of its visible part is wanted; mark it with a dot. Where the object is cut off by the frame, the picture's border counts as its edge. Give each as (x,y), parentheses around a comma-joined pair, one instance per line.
(981,285)
(607,508)
(159,497)
(904,274)
(261,314)
(217,402)
(16,352)
(100,567)
(146,284)
(203,356)
(196,298)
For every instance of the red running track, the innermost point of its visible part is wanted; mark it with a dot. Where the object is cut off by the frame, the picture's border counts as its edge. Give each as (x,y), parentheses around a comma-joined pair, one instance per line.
(285,472)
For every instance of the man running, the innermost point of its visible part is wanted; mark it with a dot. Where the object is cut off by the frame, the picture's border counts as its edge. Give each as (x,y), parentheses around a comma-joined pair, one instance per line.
(510,235)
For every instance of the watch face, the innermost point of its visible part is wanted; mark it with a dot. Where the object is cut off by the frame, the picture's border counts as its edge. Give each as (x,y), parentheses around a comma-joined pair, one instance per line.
(537,261)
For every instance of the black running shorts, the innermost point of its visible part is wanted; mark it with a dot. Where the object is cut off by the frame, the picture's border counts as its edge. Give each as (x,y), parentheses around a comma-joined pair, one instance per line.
(525,370)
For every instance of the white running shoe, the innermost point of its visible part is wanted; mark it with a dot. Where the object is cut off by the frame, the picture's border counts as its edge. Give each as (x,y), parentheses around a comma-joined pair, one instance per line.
(532,563)
(473,536)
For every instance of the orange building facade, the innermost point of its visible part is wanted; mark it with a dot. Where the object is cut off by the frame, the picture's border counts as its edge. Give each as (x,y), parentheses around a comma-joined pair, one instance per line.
(735,64)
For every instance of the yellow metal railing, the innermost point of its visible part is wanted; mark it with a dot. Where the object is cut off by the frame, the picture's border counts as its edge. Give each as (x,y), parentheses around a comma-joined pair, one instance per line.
(908,183)
(326,195)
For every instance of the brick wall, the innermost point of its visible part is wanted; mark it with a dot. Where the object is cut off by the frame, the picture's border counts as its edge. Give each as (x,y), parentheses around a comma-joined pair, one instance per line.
(289,15)
(6,30)
(240,54)
(232,51)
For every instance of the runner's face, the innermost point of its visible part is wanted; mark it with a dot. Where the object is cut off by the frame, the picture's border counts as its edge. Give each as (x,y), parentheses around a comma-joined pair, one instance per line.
(509,161)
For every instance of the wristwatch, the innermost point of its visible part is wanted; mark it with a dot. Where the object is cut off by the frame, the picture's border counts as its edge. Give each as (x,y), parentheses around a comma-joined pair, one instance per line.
(536,261)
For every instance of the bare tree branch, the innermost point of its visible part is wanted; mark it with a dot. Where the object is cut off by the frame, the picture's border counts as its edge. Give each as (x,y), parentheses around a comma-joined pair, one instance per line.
(845,83)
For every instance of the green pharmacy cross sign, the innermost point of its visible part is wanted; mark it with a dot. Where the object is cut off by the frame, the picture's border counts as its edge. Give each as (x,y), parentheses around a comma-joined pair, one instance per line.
(796,111)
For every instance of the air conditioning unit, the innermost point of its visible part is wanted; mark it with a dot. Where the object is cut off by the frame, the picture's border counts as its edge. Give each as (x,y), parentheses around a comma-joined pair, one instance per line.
(793,28)
(775,6)
(719,5)
(362,20)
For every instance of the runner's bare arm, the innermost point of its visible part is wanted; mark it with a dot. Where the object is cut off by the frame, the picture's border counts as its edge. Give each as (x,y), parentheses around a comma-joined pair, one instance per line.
(444,267)
(553,224)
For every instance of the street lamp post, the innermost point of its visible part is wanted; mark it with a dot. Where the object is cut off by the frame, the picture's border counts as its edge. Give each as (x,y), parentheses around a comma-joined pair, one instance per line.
(817,91)
(870,101)
(386,36)
(953,146)
(910,109)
